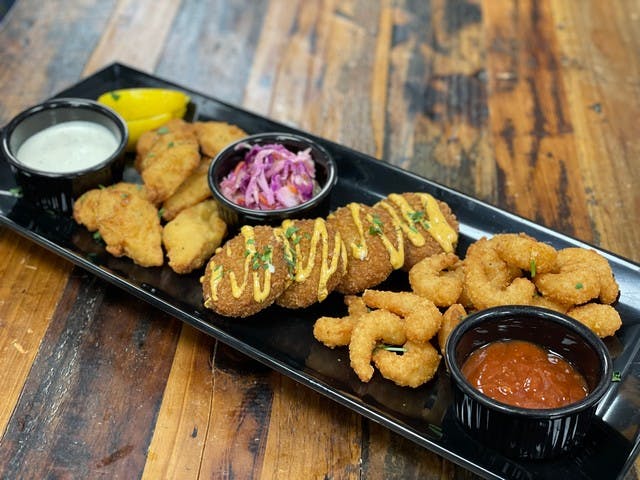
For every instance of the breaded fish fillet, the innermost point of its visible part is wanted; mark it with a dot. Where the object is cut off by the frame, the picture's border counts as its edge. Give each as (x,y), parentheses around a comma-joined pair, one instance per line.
(214,136)
(193,236)
(193,190)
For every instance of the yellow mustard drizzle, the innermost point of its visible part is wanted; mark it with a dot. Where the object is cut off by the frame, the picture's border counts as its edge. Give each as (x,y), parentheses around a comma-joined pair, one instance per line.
(396,255)
(358,250)
(260,293)
(320,234)
(438,227)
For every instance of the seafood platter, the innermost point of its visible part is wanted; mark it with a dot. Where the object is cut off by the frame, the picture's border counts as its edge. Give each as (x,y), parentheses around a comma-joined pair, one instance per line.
(354,298)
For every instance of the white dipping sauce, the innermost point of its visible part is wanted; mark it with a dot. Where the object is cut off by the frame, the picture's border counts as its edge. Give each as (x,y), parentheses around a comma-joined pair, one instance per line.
(67,147)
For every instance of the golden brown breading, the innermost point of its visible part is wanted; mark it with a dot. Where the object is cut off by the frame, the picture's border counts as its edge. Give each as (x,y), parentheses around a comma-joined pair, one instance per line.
(148,139)
(193,190)
(193,236)
(320,262)
(421,218)
(248,272)
(214,136)
(130,226)
(168,164)
(373,246)
(86,206)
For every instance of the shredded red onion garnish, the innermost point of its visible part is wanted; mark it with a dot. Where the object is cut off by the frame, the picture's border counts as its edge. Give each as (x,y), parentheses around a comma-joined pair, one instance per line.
(270,177)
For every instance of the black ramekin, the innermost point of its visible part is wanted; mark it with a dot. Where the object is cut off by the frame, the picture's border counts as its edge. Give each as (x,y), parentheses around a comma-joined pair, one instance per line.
(521,432)
(235,215)
(57,191)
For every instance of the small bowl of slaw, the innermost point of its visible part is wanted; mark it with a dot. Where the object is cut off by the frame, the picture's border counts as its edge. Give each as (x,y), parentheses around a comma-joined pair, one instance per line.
(266,178)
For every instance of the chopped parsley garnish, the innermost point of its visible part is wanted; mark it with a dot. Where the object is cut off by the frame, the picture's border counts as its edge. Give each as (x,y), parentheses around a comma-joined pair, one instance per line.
(291,231)
(376,227)
(579,286)
(162,130)
(616,377)
(161,212)
(16,192)
(218,272)
(435,429)
(170,145)
(96,236)
(532,267)
(418,218)
(262,260)
(390,348)
(115,96)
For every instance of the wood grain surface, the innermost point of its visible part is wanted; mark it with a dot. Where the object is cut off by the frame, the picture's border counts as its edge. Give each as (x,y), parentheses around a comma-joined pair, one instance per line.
(530,105)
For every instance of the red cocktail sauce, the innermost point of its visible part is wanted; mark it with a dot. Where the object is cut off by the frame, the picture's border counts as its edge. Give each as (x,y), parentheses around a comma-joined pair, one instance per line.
(523,374)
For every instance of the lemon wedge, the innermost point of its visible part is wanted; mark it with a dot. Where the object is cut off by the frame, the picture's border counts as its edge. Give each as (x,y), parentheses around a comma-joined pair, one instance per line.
(145,108)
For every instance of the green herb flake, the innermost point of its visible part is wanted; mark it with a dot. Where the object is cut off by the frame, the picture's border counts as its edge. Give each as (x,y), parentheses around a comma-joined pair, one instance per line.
(377,226)
(435,429)
(218,272)
(579,286)
(616,377)
(115,96)
(532,267)
(97,237)
(161,212)
(162,130)
(390,348)
(16,192)
(170,145)
(291,231)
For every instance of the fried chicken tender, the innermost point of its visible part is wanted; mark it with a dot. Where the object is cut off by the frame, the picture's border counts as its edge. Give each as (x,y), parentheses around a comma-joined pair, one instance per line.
(193,236)
(579,275)
(168,164)
(377,325)
(439,278)
(320,261)
(130,226)
(428,225)
(214,136)
(193,190)
(336,331)
(603,320)
(373,246)
(416,366)
(248,272)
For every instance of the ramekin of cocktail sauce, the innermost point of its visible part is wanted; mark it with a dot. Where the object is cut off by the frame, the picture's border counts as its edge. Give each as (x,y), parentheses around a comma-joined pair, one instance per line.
(535,346)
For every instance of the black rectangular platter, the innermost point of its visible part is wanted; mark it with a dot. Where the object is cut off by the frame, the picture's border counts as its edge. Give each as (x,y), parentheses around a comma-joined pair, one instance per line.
(283,339)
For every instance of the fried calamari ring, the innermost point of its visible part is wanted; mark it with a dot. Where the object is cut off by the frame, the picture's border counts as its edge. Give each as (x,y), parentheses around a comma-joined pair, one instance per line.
(450,319)
(439,278)
(580,275)
(603,320)
(336,331)
(417,364)
(490,281)
(422,319)
(375,326)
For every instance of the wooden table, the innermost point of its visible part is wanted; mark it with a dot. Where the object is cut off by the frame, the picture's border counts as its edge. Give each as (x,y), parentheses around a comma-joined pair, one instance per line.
(529,105)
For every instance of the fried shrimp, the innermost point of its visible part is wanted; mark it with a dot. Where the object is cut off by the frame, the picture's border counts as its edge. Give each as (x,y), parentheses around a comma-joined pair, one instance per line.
(580,275)
(450,319)
(525,252)
(416,365)
(603,320)
(336,332)
(439,278)
(422,319)
(490,281)
(375,326)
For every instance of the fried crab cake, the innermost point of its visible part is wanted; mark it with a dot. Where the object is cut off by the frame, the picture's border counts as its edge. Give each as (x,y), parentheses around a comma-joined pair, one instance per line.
(193,236)
(130,226)
(374,247)
(429,226)
(248,272)
(320,261)
(193,190)
(214,136)
(149,138)
(171,160)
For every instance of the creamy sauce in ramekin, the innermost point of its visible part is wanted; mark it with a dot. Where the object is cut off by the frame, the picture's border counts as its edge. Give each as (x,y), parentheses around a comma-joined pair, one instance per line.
(67,147)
